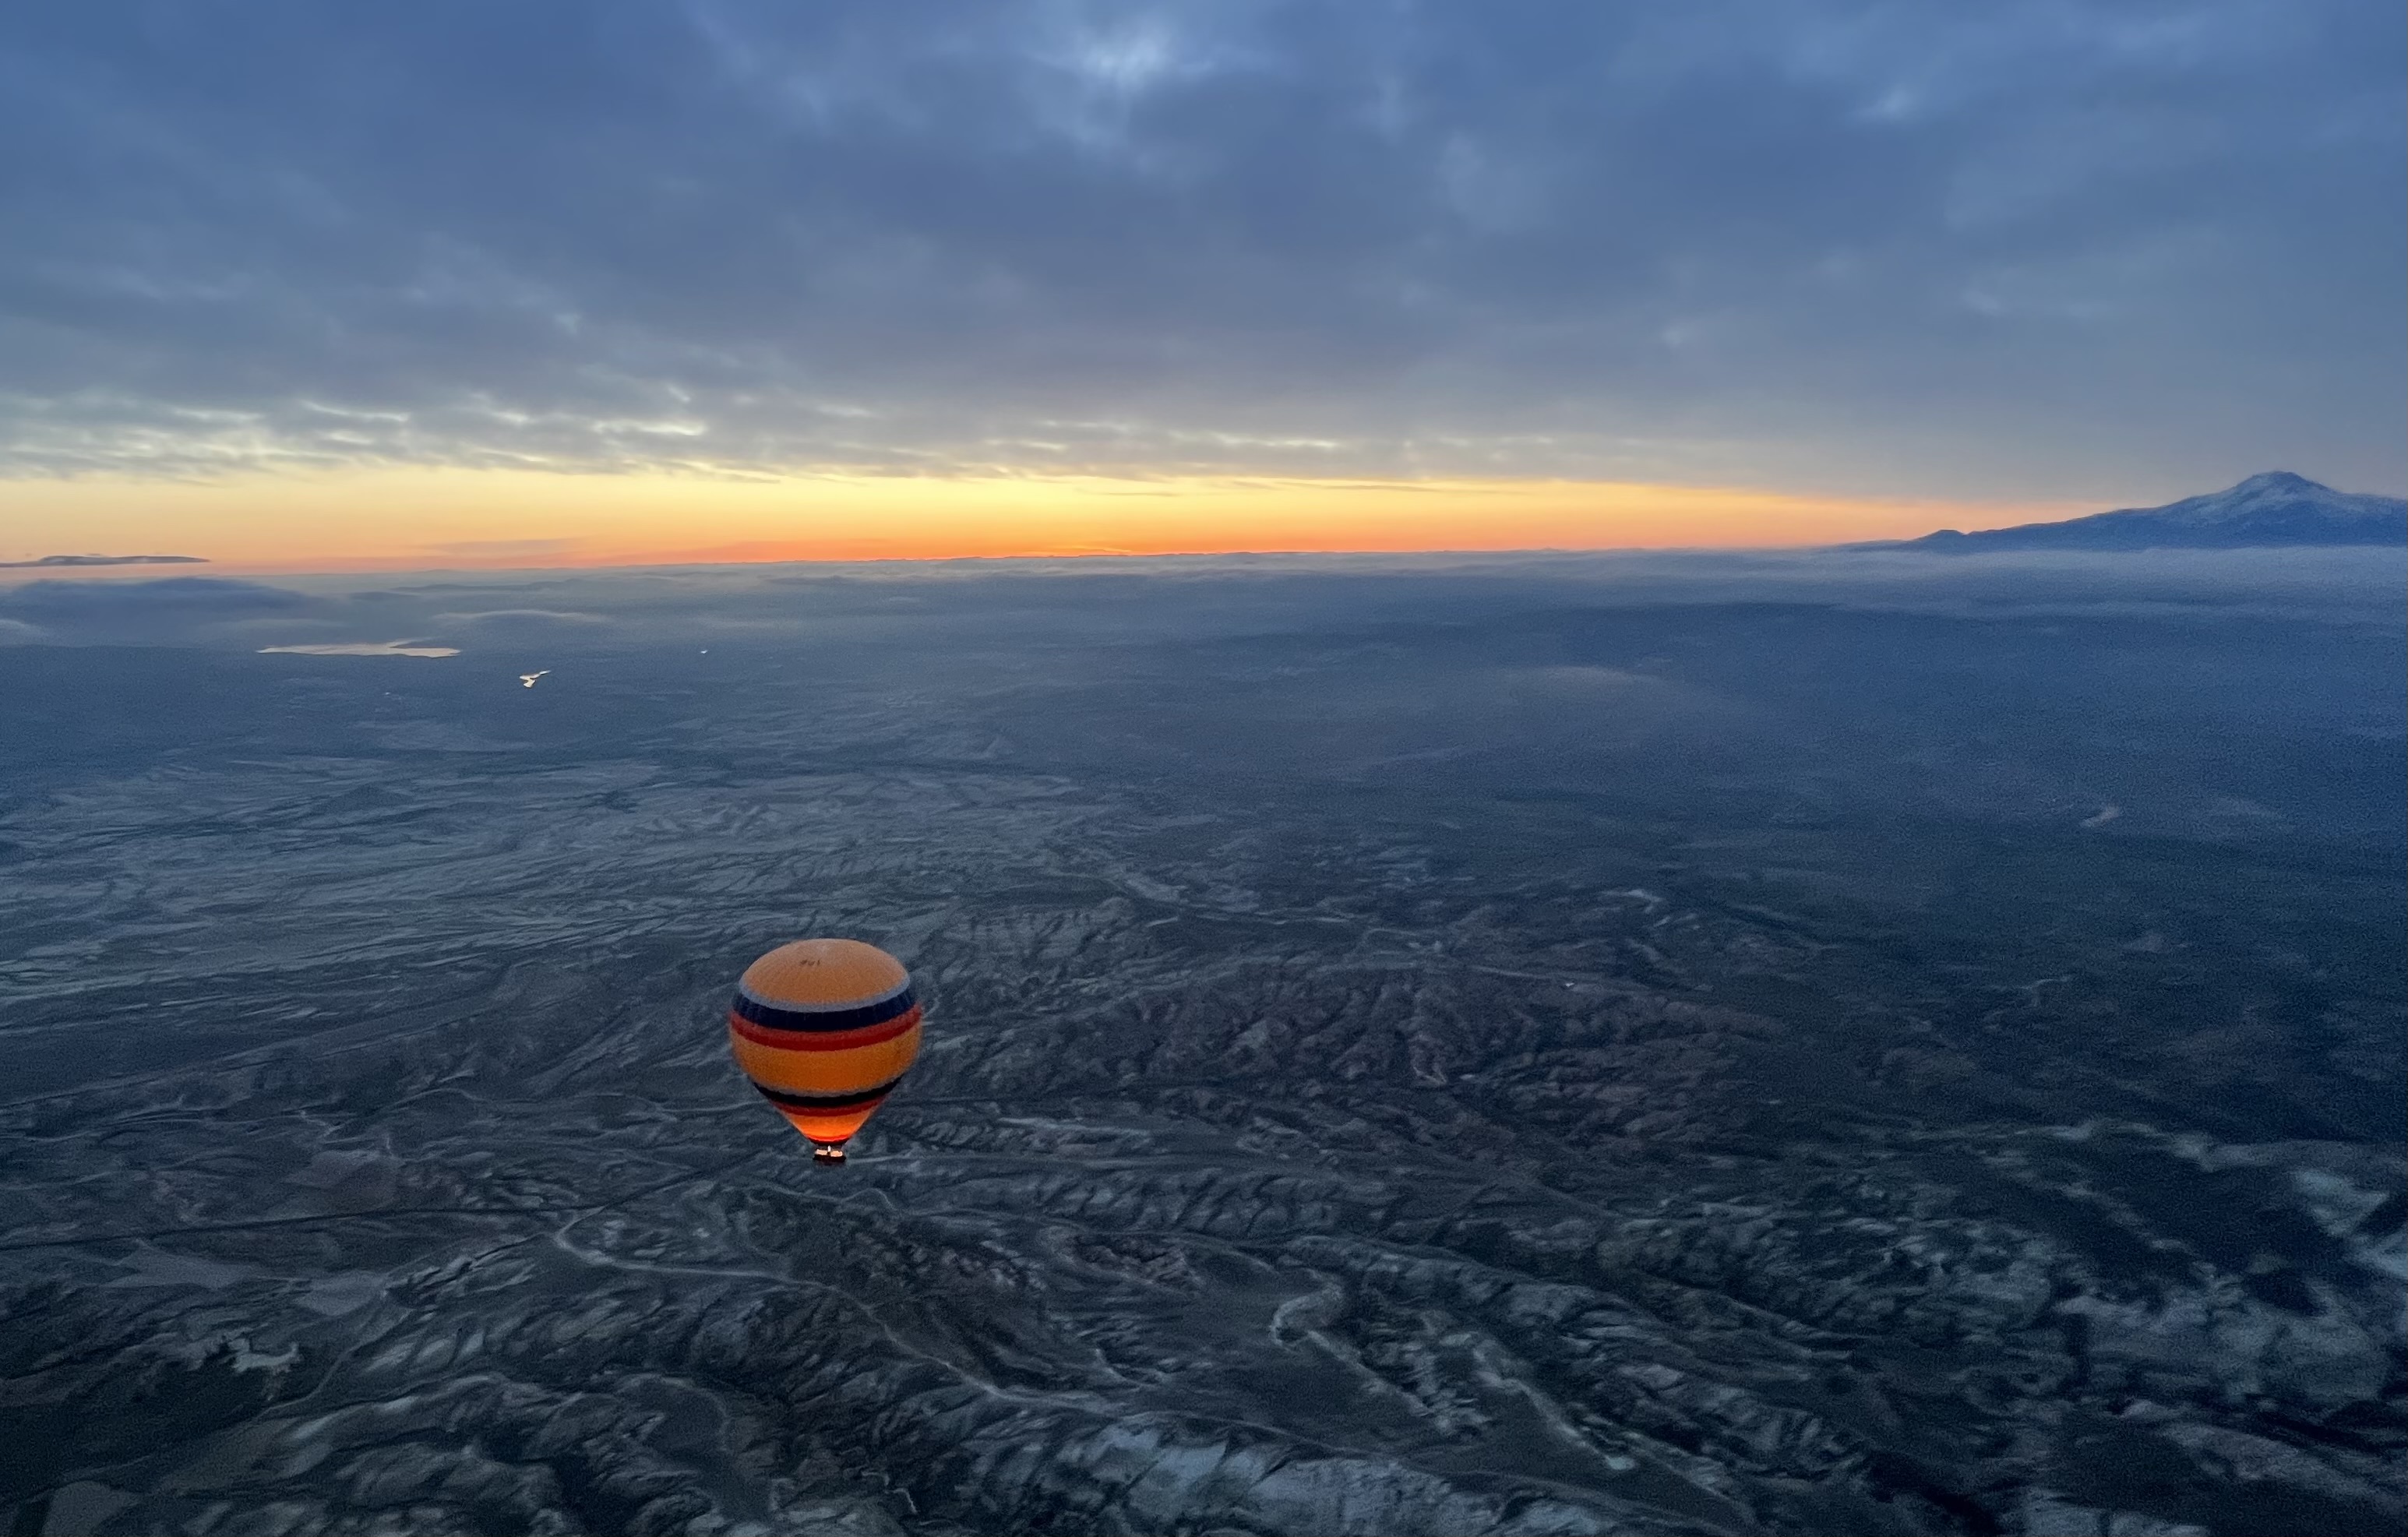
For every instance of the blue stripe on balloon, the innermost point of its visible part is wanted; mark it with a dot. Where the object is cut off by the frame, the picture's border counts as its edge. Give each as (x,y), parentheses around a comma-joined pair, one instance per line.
(772,1018)
(830,1102)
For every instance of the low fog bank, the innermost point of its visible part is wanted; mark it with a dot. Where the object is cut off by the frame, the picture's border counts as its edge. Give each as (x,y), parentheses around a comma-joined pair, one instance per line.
(557,612)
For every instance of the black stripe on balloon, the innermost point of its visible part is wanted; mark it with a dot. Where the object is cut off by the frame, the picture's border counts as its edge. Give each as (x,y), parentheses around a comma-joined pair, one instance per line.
(830,1102)
(772,1018)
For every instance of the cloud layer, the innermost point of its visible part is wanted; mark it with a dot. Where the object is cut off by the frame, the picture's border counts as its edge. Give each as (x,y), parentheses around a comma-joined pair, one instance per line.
(1863,244)
(138,611)
(53,562)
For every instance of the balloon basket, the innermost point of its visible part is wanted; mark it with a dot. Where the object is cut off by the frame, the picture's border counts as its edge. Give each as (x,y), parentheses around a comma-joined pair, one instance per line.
(828,1154)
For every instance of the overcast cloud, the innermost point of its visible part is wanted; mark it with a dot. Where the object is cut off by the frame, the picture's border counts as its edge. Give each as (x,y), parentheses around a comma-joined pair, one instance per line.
(2017,249)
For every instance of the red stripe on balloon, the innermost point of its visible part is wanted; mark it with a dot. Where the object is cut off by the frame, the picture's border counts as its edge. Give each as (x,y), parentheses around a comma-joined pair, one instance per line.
(822,1040)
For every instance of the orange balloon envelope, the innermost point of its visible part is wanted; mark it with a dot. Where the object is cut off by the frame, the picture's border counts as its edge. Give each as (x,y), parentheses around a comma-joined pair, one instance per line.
(826,1029)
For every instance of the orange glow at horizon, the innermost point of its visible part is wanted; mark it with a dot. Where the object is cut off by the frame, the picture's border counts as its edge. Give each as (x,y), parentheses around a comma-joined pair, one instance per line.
(428,519)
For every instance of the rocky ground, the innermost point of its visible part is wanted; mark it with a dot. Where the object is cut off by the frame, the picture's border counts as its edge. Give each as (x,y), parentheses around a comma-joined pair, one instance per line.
(1587,1087)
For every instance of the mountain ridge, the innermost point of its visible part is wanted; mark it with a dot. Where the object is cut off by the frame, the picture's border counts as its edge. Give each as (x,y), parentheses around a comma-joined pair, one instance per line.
(2272,509)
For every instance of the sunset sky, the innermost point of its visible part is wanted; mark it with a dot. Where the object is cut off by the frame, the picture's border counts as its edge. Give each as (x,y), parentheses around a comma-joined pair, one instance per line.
(310,286)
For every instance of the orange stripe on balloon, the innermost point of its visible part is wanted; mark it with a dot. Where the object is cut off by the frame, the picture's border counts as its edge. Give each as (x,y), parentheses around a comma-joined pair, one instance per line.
(820,1073)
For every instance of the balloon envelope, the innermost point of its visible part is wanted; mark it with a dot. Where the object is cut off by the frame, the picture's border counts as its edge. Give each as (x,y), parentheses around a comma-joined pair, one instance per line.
(824,1028)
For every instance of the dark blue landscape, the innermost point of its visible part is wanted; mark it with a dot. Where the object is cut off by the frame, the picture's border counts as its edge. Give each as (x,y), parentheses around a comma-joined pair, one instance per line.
(1870,1042)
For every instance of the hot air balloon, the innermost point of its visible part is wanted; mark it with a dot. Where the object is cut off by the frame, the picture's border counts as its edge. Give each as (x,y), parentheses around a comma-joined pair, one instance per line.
(824,1028)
